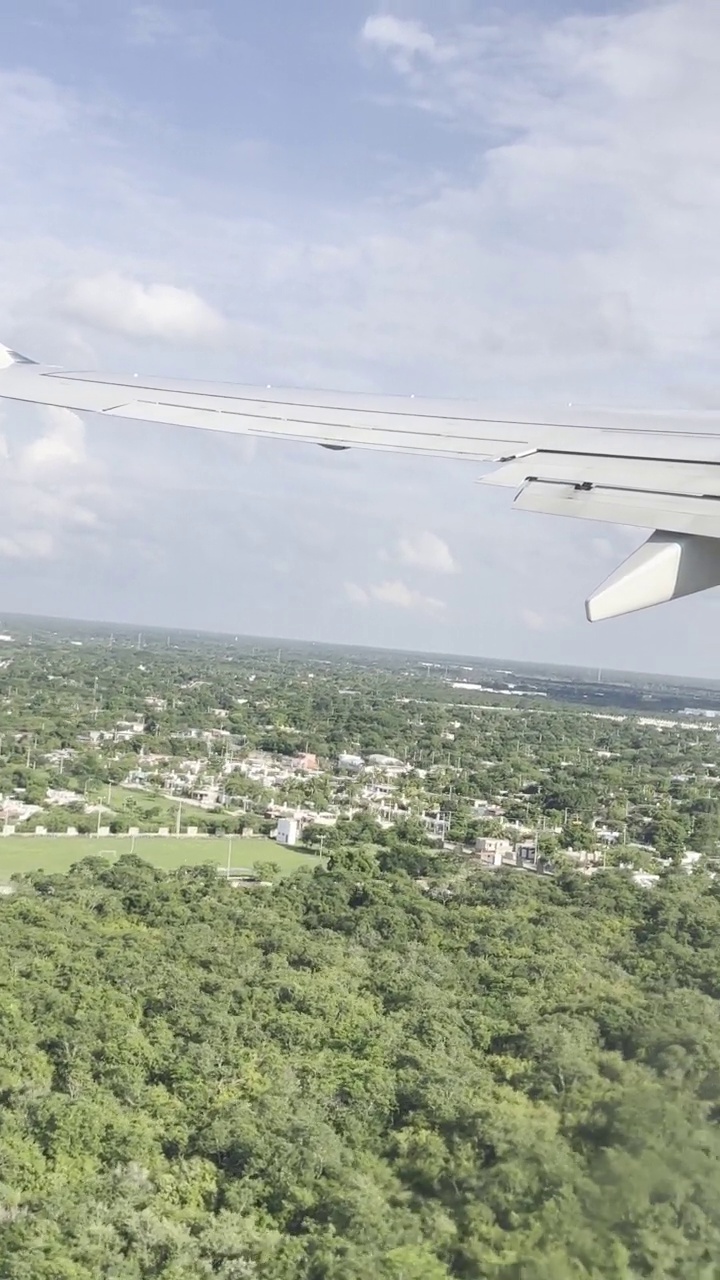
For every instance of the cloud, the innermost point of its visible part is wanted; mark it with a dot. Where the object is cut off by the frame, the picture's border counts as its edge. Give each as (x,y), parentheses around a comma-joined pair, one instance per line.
(117,304)
(153,25)
(400,596)
(35,106)
(543,621)
(585,157)
(54,492)
(356,594)
(533,620)
(397,595)
(29,544)
(427,551)
(61,447)
(401,37)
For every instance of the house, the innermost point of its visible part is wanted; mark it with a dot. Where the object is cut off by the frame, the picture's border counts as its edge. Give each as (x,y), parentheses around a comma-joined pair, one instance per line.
(690,860)
(585,857)
(436,823)
(645,879)
(389,764)
(208,795)
(137,779)
(58,796)
(288,830)
(490,857)
(526,853)
(607,834)
(492,845)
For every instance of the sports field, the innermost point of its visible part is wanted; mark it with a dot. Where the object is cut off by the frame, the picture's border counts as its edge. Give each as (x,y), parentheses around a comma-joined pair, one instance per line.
(58,853)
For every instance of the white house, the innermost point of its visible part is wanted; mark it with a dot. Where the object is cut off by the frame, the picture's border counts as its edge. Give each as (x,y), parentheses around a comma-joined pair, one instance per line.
(287,831)
(493,846)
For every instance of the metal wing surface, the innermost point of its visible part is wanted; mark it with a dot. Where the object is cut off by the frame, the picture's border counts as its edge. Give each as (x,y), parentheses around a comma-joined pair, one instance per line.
(659,470)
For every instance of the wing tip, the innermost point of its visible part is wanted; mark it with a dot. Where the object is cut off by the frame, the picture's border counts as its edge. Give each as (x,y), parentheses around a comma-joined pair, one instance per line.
(9,357)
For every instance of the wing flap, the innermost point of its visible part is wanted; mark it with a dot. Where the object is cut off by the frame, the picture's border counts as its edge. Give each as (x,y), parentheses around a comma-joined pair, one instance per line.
(654,475)
(678,513)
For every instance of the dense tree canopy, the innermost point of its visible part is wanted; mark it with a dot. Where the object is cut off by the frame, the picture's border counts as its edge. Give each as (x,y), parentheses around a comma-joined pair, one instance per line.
(350,1076)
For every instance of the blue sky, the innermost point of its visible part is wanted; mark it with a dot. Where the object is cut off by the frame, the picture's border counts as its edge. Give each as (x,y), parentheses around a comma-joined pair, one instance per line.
(438,198)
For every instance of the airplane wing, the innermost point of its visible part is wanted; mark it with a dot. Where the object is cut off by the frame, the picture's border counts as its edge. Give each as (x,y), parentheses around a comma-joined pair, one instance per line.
(657,470)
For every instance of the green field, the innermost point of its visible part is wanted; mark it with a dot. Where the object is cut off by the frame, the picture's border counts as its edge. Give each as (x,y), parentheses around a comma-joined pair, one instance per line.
(133,801)
(58,853)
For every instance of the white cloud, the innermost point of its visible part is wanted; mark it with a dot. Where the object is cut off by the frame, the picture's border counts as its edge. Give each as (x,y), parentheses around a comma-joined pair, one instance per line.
(356,594)
(589,158)
(396,594)
(53,492)
(117,304)
(533,620)
(151,25)
(29,544)
(33,105)
(543,620)
(427,551)
(400,36)
(61,447)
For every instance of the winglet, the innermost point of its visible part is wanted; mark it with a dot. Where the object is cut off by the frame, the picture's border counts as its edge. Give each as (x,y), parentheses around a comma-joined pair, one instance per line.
(8,357)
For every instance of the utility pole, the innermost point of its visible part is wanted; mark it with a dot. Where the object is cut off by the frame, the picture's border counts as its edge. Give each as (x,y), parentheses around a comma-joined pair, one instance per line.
(177,819)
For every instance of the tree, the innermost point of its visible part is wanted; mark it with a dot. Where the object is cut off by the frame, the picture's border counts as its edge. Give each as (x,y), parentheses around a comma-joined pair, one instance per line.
(355,860)
(266,869)
(668,833)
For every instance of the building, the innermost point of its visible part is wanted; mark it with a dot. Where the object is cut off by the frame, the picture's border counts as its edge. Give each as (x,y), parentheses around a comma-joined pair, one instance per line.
(61,797)
(436,823)
(347,761)
(690,860)
(645,879)
(526,854)
(288,830)
(492,845)
(490,857)
(209,796)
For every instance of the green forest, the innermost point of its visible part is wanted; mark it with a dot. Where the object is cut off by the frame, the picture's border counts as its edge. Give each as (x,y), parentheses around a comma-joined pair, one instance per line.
(356,1075)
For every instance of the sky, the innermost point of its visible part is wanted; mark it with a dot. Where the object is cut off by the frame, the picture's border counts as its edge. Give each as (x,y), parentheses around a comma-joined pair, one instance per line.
(439,197)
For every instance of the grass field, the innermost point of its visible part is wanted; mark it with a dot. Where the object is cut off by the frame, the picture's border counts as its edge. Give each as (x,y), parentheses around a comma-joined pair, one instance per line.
(58,853)
(133,799)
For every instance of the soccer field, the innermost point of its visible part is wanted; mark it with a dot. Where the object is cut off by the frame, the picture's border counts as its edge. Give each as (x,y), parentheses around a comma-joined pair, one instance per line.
(58,853)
